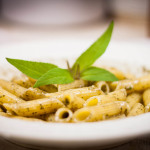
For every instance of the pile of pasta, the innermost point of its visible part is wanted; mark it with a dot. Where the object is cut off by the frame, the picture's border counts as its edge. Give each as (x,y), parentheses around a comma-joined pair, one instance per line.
(80,101)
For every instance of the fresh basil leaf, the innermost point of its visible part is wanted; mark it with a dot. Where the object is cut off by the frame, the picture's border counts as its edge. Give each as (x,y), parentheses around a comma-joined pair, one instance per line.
(97,74)
(94,51)
(55,76)
(32,69)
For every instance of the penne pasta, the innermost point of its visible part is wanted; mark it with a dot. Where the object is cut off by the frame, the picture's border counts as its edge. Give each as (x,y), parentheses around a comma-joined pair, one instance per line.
(5,114)
(35,107)
(33,93)
(103,86)
(21,92)
(1,110)
(138,85)
(63,115)
(26,119)
(100,112)
(6,97)
(119,74)
(73,85)
(50,117)
(147,108)
(130,76)
(79,101)
(137,109)
(47,88)
(133,98)
(117,117)
(23,81)
(73,102)
(118,95)
(146,97)
(85,93)
(12,88)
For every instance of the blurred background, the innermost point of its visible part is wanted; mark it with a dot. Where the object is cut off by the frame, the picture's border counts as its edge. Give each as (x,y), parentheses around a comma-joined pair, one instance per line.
(26,21)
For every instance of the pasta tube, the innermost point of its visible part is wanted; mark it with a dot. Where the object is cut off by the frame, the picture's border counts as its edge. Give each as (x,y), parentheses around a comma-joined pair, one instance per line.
(137,109)
(119,74)
(27,94)
(1,110)
(26,119)
(35,107)
(73,85)
(73,102)
(47,88)
(100,112)
(63,115)
(23,81)
(117,117)
(133,98)
(12,87)
(118,95)
(103,86)
(147,108)
(146,97)
(138,85)
(50,117)
(33,93)
(85,93)
(6,97)
(5,114)
(146,100)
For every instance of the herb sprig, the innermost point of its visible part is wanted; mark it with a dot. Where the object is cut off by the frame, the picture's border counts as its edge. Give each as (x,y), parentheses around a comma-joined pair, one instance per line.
(46,73)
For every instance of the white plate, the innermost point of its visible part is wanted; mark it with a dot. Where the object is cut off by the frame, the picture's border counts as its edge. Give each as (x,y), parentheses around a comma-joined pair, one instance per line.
(105,133)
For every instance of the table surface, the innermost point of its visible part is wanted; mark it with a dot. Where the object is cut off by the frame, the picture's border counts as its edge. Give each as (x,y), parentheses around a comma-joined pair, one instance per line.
(141,143)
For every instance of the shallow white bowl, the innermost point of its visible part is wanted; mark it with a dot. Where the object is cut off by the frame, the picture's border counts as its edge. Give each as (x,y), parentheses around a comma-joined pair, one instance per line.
(103,134)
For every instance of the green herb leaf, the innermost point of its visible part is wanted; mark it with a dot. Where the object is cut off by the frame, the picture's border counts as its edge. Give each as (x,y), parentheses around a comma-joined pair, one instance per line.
(97,74)
(32,69)
(94,51)
(55,76)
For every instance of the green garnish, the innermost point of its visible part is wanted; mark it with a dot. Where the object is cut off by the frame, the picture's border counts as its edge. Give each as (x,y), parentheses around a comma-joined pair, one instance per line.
(32,69)
(95,50)
(97,74)
(55,76)
(46,73)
